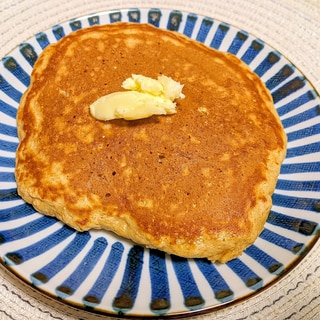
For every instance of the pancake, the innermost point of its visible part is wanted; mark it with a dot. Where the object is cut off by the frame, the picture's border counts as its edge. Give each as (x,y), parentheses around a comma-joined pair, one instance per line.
(196,184)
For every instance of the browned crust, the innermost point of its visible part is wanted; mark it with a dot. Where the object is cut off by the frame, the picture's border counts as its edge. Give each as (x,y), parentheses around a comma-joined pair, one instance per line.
(195,184)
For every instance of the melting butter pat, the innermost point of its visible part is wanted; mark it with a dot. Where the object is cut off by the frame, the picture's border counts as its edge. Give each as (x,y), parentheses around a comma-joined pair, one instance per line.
(144,97)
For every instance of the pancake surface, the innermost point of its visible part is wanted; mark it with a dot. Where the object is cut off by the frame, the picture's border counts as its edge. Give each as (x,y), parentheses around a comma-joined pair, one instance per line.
(196,184)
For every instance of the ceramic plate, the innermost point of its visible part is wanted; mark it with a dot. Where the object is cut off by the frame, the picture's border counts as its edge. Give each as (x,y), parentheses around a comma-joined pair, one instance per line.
(103,273)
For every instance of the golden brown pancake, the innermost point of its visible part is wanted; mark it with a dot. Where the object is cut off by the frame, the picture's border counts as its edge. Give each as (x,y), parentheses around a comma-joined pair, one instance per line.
(195,184)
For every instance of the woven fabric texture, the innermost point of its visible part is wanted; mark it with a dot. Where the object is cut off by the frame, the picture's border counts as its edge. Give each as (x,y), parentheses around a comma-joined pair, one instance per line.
(290,26)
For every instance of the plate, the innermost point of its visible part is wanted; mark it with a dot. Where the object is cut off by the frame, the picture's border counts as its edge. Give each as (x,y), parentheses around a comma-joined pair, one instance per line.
(105,274)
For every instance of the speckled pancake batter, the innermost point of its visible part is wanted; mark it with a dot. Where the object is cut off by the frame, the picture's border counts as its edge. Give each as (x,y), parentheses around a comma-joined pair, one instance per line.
(197,183)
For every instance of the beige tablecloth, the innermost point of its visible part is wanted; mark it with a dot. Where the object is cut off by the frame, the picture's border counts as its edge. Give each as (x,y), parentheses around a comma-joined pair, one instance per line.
(290,26)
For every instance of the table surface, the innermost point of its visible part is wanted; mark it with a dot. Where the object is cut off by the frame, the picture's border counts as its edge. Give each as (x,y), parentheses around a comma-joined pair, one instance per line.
(290,26)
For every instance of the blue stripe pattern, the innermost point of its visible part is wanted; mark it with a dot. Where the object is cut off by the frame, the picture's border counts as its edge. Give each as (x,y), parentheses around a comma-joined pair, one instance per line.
(287,89)
(253,50)
(204,29)
(290,223)
(293,202)
(192,297)
(42,39)
(154,16)
(96,293)
(248,276)
(58,32)
(75,25)
(62,260)
(13,66)
(221,289)
(279,77)
(305,132)
(298,185)
(268,262)
(7,162)
(240,38)
(174,20)
(9,195)
(28,53)
(115,16)
(300,168)
(134,15)
(78,276)
(27,229)
(283,242)
(271,59)
(7,129)
(18,212)
(10,91)
(303,116)
(7,177)
(303,150)
(6,145)
(219,36)
(189,26)
(297,102)
(39,247)
(94,20)
(160,292)
(127,293)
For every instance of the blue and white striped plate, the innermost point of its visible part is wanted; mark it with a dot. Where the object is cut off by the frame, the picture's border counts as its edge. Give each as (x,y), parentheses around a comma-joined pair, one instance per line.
(100,272)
